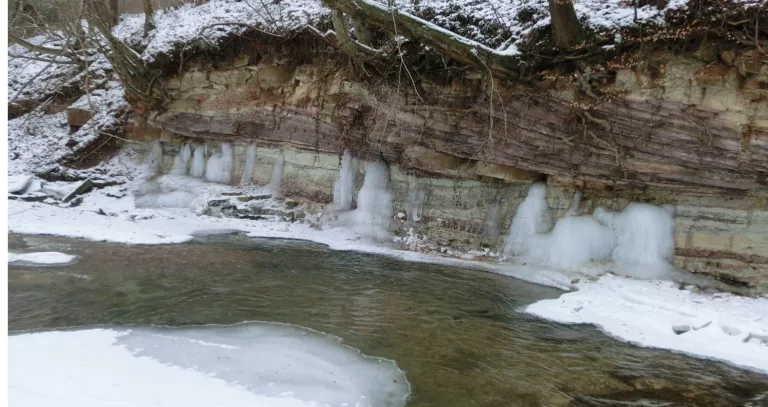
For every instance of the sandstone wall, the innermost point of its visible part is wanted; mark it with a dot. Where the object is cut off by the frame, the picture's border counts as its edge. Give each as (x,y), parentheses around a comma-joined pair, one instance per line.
(684,134)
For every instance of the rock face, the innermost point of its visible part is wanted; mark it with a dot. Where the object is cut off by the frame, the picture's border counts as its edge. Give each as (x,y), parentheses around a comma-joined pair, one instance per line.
(680,132)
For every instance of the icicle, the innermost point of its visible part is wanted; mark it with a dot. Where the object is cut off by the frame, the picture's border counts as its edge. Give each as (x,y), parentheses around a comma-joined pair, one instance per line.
(276,180)
(155,158)
(343,190)
(374,202)
(219,168)
(574,209)
(181,161)
(417,194)
(198,162)
(532,217)
(250,165)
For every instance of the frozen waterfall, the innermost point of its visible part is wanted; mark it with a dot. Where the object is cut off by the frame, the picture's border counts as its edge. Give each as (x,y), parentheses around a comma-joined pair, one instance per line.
(219,167)
(344,188)
(155,158)
(417,195)
(250,165)
(532,217)
(276,180)
(640,238)
(374,204)
(181,161)
(198,162)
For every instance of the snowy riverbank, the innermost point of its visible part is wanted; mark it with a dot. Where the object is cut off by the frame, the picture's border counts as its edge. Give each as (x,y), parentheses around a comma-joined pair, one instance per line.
(642,312)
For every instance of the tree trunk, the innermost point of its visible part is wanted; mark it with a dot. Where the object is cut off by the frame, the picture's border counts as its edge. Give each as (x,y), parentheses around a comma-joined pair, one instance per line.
(114,13)
(149,17)
(566,29)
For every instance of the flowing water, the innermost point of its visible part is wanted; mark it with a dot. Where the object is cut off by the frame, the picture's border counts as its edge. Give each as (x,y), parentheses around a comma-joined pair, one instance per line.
(457,334)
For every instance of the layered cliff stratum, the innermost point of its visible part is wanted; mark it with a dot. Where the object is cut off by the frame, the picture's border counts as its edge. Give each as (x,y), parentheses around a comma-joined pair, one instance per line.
(470,130)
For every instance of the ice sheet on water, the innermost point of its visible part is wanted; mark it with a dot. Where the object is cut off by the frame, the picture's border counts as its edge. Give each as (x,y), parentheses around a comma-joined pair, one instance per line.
(248,364)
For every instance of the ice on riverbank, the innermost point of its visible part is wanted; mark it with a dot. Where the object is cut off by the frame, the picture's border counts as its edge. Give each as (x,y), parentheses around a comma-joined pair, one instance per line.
(269,365)
(658,314)
(41,259)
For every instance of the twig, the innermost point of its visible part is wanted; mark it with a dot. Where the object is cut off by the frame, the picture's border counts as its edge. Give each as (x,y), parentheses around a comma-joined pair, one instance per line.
(252,27)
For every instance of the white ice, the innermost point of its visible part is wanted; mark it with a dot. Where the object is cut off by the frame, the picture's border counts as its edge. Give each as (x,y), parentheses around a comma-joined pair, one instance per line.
(344,188)
(41,259)
(255,364)
(155,158)
(276,179)
(374,204)
(198,162)
(219,167)
(181,161)
(250,165)
(531,218)
(647,313)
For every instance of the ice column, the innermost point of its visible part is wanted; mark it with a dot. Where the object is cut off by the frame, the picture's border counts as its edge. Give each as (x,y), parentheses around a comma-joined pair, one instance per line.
(155,158)
(374,202)
(344,189)
(532,217)
(276,181)
(181,161)
(219,168)
(574,209)
(198,162)
(250,164)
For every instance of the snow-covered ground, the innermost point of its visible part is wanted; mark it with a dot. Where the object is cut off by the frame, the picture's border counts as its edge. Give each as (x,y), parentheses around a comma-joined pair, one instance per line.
(658,314)
(253,364)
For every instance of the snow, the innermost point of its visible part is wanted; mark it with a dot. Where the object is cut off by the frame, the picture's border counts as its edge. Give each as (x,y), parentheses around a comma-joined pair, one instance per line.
(189,26)
(269,365)
(647,313)
(37,141)
(41,259)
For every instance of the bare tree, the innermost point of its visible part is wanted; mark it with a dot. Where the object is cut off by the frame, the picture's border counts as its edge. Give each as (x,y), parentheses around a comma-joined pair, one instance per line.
(566,28)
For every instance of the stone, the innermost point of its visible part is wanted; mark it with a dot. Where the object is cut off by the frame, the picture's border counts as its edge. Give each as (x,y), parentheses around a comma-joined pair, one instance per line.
(77,117)
(249,198)
(681,328)
(291,203)
(755,89)
(728,57)
(80,189)
(712,75)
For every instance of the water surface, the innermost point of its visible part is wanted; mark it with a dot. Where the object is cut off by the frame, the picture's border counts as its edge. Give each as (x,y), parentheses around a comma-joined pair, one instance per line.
(457,334)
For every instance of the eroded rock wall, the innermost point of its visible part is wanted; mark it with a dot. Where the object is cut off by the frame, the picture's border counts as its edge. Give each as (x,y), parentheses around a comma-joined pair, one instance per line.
(683,133)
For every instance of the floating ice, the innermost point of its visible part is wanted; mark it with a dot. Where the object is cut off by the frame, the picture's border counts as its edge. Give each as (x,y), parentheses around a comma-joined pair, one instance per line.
(198,162)
(181,161)
(276,180)
(248,364)
(41,259)
(219,167)
(344,188)
(531,218)
(250,164)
